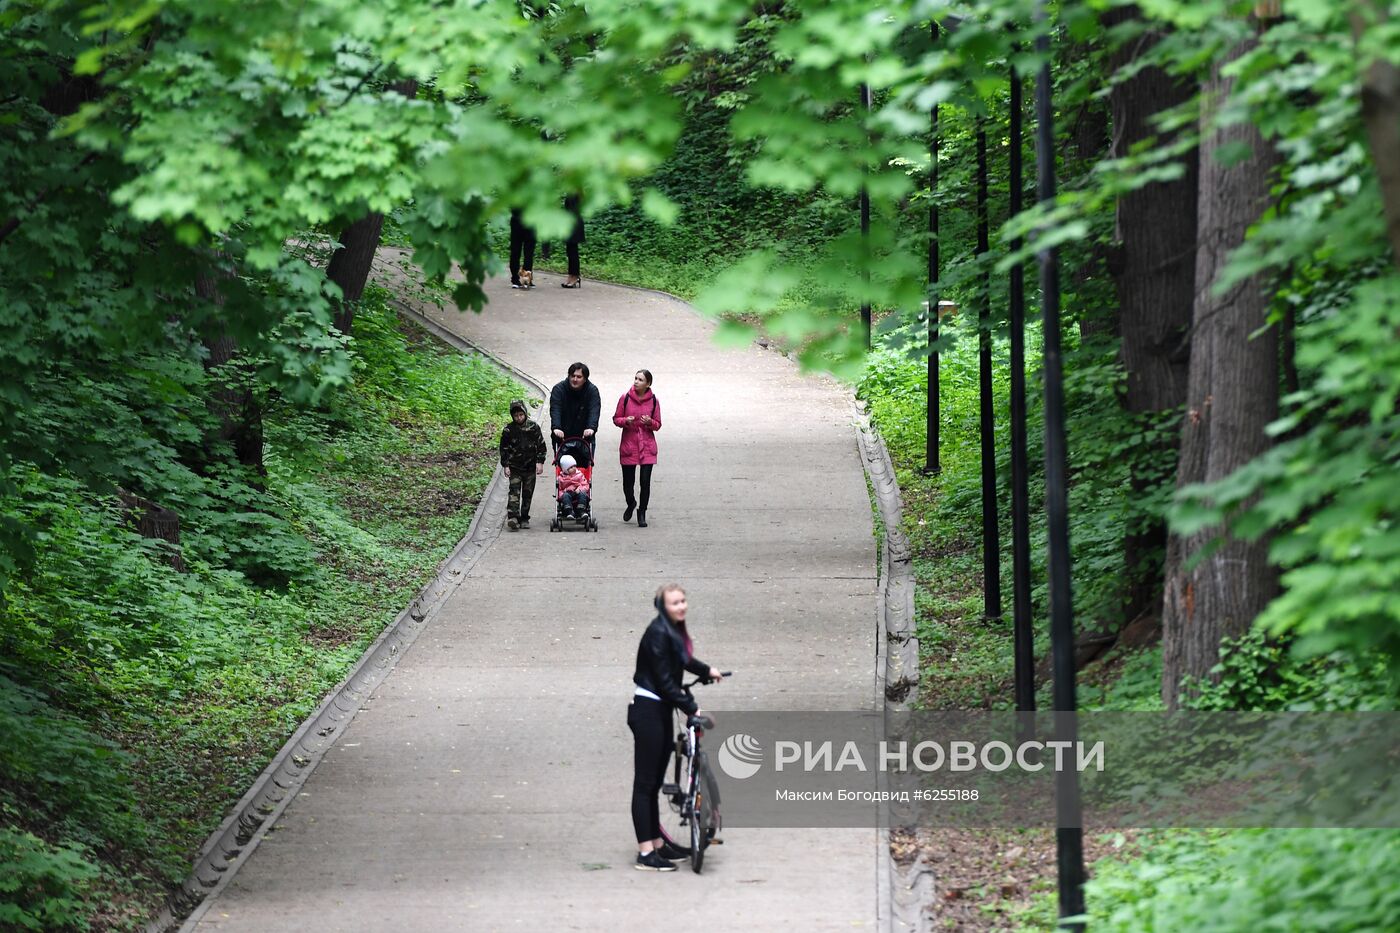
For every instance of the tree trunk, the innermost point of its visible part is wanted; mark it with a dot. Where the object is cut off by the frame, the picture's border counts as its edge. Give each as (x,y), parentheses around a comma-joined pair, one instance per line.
(1380,110)
(240,417)
(152,520)
(1154,277)
(1088,143)
(1232,394)
(350,265)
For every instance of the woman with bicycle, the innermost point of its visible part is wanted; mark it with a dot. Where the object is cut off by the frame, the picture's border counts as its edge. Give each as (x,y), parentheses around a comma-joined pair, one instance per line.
(663,656)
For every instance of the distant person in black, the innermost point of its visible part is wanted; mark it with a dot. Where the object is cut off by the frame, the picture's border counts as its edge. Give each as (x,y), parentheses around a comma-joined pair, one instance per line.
(575,407)
(571,204)
(522,251)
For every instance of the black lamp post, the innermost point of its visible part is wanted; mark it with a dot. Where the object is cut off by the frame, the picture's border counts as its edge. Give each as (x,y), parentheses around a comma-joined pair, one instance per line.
(1069,835)
(865,235)
(1022,624)
(991,534)
(931,461)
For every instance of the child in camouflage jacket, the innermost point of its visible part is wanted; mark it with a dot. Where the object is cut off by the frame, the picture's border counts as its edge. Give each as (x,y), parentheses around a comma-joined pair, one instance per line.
(522,458)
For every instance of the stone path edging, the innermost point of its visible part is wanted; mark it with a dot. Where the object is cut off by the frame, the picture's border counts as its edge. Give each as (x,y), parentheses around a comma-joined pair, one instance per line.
(905,890)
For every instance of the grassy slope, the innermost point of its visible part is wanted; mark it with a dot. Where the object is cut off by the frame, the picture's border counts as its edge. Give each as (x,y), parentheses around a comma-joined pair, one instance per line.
(193,680)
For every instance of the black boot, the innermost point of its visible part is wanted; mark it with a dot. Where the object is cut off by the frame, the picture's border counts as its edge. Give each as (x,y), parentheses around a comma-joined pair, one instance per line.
(631,507)
(641,518)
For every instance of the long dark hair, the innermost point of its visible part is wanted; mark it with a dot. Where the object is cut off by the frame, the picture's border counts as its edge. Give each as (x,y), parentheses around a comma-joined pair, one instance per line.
(661,607)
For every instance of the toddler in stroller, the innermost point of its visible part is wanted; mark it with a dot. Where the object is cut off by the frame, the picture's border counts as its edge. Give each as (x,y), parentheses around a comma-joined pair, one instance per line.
(573,476)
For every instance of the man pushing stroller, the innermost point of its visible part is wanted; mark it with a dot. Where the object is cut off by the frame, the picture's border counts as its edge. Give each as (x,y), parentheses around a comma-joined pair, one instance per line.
(574,407)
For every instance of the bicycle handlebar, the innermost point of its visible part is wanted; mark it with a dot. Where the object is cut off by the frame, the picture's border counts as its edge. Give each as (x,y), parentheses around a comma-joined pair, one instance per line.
(705,680)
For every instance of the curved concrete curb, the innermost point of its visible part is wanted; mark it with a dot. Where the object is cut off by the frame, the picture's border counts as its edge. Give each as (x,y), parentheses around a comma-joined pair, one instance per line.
(905,890)
(900,646)
(239,834)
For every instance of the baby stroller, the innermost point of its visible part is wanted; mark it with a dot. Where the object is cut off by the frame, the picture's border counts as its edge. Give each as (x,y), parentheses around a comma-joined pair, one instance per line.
(582,452)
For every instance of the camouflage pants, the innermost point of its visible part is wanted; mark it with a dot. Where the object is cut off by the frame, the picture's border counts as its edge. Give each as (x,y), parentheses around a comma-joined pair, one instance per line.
(522,490)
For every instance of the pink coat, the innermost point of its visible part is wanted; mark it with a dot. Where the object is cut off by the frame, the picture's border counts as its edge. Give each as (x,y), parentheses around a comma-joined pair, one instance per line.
(638,440)
(571,482)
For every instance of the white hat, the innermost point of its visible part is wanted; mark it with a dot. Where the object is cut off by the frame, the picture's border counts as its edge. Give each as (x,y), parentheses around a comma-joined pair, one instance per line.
(567,463)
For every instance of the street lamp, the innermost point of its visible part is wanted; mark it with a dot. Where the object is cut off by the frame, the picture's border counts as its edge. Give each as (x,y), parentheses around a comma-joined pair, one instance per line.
(865,233)
(1069,834)
(991,530)
(931,414)
(1023,646)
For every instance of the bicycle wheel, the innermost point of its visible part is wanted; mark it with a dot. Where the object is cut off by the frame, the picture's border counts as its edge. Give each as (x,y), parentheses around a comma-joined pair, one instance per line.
(711,808)
(675,826)
(698,840)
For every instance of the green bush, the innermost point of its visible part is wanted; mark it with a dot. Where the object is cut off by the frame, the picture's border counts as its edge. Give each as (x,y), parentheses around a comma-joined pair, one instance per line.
(1295,880)
(42,886)
(1256,673)
(63,771)
(1136,686)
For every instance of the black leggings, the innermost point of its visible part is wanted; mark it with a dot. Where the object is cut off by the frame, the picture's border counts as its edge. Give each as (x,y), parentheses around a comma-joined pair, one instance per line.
(522,241)
(629,476)
(571,204)
(650,722)
(571,253)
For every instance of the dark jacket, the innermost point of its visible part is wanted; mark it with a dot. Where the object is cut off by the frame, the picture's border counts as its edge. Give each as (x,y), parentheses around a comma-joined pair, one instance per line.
(522,445)
(573,412)
(662,661)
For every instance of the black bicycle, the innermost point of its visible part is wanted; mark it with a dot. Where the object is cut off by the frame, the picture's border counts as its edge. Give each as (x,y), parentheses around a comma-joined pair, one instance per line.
(693,821)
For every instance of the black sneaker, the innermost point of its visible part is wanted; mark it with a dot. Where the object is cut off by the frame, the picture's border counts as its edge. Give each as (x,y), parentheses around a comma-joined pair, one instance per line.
(669,851)
(524,523)
(652,862)
(512,523)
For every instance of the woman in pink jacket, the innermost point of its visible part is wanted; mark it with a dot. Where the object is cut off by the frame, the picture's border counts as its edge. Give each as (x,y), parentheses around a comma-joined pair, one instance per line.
(639,417)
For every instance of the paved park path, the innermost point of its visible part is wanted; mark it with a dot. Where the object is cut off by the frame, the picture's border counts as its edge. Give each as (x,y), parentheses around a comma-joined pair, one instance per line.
(485,785)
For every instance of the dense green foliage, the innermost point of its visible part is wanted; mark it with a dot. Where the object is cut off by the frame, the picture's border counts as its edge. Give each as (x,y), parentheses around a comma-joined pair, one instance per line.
(165,339)
(138,702)
(1332,880)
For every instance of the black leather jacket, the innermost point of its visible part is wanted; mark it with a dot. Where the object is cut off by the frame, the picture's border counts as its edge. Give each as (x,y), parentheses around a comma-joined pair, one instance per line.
(662,661)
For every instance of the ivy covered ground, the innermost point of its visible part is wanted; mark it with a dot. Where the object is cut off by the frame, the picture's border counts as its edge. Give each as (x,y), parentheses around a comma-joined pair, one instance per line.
(139,702)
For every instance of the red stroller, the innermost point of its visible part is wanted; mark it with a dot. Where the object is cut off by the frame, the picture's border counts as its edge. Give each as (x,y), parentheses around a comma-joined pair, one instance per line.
(582,452)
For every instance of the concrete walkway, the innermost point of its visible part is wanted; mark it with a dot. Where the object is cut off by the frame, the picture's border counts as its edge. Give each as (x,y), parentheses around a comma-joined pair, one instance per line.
(485,786)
